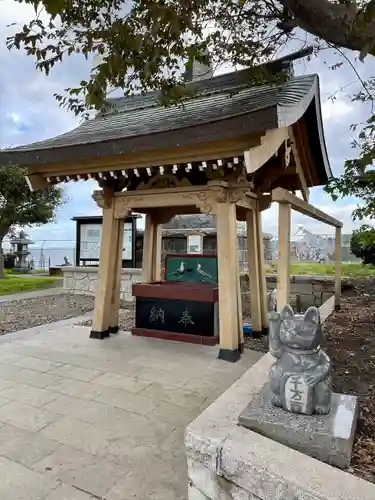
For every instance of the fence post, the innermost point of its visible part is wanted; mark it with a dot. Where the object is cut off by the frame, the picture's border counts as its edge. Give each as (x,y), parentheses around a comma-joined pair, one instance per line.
(338,268)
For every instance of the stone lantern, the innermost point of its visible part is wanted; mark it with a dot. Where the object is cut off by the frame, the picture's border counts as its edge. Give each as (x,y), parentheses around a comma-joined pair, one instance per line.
(20,249)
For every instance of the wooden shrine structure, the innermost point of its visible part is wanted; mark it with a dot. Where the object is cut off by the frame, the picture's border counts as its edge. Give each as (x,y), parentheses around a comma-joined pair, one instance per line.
(230,150)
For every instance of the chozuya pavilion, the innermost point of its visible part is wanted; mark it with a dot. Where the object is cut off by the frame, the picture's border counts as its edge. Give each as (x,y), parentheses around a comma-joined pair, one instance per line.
(230,150)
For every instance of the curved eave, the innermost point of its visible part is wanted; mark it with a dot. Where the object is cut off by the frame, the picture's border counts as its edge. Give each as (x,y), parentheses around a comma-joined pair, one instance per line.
(323,145)
(310,108)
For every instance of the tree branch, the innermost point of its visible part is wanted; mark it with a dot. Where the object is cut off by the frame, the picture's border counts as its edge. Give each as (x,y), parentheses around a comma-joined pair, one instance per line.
(344,25)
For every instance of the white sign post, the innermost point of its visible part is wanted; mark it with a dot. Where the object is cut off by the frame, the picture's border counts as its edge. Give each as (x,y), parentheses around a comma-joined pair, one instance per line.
(90,235)
(195,243)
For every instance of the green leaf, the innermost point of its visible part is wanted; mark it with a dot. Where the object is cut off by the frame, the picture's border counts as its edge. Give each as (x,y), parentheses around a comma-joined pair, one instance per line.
(20,207)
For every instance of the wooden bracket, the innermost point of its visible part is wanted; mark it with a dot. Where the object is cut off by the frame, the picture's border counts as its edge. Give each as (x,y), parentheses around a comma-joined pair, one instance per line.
(302,179)
(36,181)
(257,156)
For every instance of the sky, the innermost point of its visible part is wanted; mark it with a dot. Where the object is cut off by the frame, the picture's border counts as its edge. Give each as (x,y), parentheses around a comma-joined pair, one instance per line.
(29,112)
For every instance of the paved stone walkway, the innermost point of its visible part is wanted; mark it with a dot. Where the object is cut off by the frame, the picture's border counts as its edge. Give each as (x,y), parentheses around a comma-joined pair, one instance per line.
(87,419)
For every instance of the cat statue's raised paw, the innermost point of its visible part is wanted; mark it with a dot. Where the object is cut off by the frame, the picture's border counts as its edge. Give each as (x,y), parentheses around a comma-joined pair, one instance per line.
(301,378)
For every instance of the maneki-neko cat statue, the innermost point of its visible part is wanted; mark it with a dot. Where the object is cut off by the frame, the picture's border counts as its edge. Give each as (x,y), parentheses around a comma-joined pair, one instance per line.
(300,380)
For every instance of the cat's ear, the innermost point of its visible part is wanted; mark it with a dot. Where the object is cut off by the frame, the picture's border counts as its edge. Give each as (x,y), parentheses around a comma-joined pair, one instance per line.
(312,315)
(287,312)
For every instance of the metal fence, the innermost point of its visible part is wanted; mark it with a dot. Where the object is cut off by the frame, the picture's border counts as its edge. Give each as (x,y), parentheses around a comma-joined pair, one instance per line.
(43,257)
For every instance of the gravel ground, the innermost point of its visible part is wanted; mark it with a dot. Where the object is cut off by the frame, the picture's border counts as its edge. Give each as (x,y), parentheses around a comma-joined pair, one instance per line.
(21,314)
(250,342)
(126,317)
(260,345)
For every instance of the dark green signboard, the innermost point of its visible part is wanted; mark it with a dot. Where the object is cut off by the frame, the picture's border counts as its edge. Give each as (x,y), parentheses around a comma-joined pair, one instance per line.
(178,316)
(190,268)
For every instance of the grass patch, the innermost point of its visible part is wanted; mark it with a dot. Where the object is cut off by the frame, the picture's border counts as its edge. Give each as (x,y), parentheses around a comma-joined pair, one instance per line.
(35,271)
(12,283)
(354,270)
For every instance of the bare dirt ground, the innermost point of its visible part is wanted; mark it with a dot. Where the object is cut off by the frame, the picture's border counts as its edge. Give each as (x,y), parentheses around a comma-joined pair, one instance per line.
(350,343)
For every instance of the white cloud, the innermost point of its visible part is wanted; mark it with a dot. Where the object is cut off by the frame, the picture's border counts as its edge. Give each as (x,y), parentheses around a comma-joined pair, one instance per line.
(336,110)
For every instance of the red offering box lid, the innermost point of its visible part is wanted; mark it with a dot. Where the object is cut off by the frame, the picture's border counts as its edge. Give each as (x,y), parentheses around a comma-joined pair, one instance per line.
(200,292)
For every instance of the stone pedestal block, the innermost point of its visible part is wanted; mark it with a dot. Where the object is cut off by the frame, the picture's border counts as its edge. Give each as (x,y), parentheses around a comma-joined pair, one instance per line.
(328,438)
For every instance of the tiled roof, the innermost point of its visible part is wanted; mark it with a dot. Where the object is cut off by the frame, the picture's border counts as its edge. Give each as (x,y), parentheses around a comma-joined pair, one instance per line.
(194,221)
(142,115)
(219,108)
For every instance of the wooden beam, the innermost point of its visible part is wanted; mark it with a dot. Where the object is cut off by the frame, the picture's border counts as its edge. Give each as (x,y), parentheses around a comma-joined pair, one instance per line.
(156,256)
(241,342)
(257,156)
(116,287)
(152,241)
(204,197)
(254,277)
(169,212)
(337,267)
(228,291)
(304,187)
(281,195)
(156,198)
(148,249)
(283,262)
(246,202)
(211,150)
(262,270)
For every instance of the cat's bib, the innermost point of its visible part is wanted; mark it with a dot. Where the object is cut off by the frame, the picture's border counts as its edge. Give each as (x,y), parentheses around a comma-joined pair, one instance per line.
(298,395)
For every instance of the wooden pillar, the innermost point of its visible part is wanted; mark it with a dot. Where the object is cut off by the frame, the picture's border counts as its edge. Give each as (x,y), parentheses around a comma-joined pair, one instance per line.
(157,242)
(147,249)
(337,268)
(254,272)
(262,271)
(106,272)
(228,278)
(241,343)
(116,287)
(283,263)
(151,262)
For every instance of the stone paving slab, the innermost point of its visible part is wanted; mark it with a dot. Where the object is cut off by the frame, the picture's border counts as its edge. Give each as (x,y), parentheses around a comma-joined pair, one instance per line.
(24,447)
(20,483)
(66,492)
(83,419)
